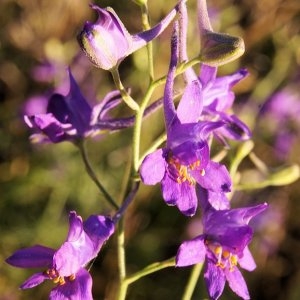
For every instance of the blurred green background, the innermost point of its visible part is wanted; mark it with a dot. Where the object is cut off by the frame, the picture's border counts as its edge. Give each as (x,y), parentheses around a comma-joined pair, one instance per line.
(40,184)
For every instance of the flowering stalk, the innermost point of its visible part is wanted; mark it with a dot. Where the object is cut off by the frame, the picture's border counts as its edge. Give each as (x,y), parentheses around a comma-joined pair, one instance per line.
(146,26)
(126,97)
(93,176)
(155,267)
(150,269)
(191,284)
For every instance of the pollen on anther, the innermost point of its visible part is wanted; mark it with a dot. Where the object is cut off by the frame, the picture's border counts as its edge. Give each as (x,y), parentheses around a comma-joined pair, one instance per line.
(72,277)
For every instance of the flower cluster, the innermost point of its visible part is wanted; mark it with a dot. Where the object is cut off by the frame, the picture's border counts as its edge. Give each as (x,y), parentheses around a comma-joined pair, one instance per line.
(190,179)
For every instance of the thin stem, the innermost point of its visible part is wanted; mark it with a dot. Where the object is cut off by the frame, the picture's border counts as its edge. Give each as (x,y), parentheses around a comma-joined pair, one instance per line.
(150,269)
(146,26)
(191,284)
(121,260)
(261,166)
(180,69)
(126,202)
(157,143)
(126,97)
(93,176)
(138,127)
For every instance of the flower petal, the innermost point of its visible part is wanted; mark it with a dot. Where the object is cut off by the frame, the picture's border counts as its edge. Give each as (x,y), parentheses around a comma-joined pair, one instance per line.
(153,167)
(190,106)
(182,195)
(101,110)
(237,283)
(207,74)
(33,281)
(99,229)
(76,251)
(49,125)
(208,199)
(214,279)
(142,38)
(216,178)
(80,110)
(234,128)
(75,227)
(33,257)
(78,289)
(191,252)
(247,261)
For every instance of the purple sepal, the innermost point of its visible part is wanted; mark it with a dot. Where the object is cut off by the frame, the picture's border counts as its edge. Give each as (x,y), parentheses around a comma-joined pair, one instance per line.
(215,279)
(190,106)
(191,252)
(33,281)
(33,257)
(153,167)
(182,195)
(216,178)
(99,229)
(237,283)
(247,261)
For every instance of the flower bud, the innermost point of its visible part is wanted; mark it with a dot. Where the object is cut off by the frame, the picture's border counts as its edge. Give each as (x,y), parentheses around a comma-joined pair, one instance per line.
(220,48)
(107,41)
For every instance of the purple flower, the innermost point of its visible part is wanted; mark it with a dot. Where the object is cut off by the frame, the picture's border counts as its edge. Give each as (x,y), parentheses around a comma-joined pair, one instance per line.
(65,266)
(217,98)
(223,245)
(107,42)
(184,162)
(70,117)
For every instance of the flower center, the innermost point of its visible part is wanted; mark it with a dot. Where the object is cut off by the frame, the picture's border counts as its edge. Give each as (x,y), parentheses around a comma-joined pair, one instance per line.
(224,257)
(56,278)
(181,173)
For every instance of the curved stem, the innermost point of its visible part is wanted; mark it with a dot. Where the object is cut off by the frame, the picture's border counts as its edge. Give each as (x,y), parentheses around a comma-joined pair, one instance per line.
(157,143)
(146,26)
(191,284)
(151,269)
(126,202)
(93,176)
(126,97)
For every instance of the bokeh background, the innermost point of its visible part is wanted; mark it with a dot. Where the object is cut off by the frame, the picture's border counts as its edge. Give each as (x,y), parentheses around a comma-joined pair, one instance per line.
(40,184)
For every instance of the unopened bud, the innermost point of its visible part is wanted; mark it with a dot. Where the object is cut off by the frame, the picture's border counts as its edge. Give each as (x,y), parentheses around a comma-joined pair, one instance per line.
(220,48)
(285,176)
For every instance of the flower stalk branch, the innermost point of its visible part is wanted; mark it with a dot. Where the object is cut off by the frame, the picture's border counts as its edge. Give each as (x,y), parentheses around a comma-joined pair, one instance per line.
(146,26)
(191,284)
(150,269)
(93,175)
(126,97)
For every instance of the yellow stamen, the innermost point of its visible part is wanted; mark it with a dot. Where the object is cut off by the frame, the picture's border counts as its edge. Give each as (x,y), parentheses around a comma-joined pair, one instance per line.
(72,277)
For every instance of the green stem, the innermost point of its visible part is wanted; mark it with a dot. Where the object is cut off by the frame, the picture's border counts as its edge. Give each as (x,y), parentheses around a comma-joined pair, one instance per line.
(157,143)
(179,70)
(126,97)
(146,26)
(191,284)
(150,269)
(138,126)
(121,260)
(93,176)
